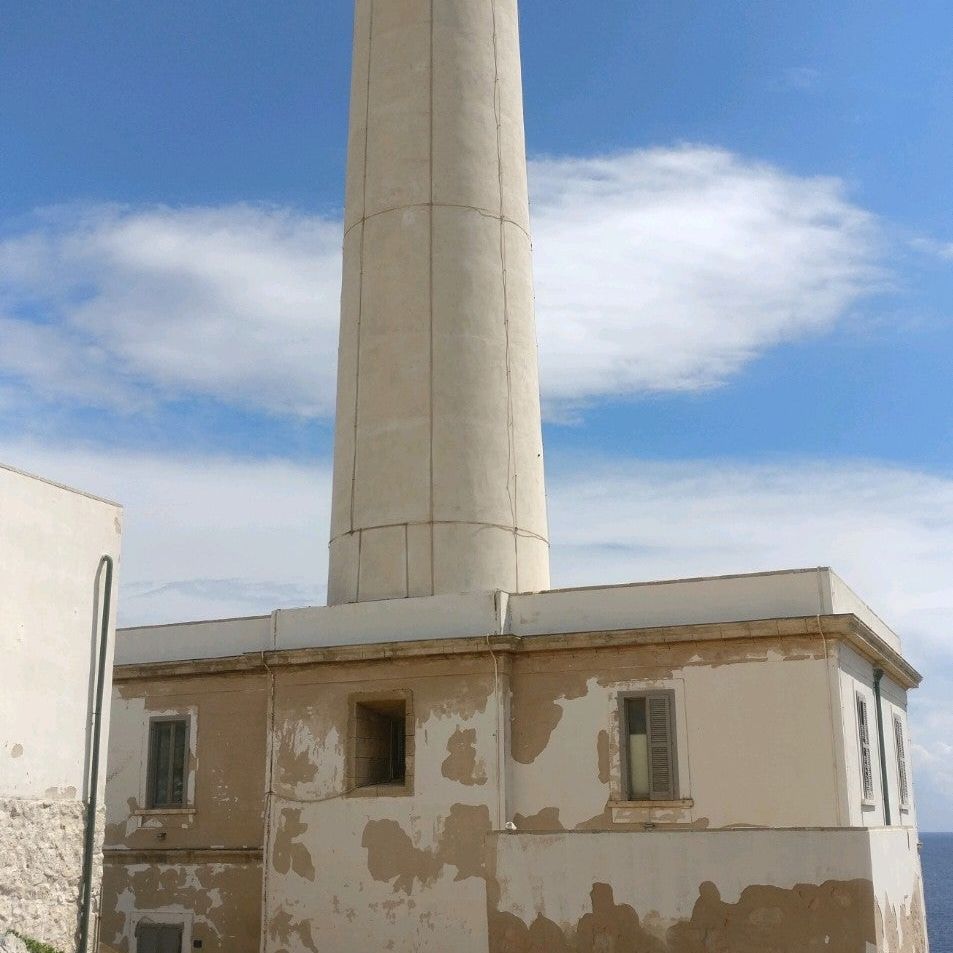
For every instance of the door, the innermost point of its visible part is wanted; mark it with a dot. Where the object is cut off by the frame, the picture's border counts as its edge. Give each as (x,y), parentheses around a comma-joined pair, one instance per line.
(159,938)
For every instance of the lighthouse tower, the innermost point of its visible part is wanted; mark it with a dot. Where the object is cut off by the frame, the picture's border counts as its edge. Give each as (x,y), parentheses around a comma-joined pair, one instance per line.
(438,465)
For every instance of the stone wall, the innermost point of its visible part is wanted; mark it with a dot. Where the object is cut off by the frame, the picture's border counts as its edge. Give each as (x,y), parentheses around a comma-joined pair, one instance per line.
(41,860)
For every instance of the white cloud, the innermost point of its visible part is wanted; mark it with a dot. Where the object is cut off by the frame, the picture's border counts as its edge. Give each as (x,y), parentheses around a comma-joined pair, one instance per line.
(237,303)
(670,269)
(663,269)
(802,78)
(217,536)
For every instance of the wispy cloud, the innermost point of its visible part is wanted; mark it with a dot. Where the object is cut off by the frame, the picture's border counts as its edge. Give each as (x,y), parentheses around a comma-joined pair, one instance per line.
(802,78)
(210,537)
(671,269)
(934,248)
(657,270)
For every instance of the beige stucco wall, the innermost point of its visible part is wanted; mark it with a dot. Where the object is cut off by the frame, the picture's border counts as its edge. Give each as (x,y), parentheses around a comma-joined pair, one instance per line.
(754,734)
(693,892)
(397,873)
(200,865)
(438,470)
(523,732)
(51,543)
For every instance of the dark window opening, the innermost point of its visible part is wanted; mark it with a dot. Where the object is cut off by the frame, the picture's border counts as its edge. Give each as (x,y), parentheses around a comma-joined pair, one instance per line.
(168,762)
(380,743)
(159,938)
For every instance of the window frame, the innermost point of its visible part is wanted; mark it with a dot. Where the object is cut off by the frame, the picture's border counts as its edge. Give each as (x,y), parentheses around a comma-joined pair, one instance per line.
(625,789)
(868,791)
(397,788)
(903,763)
(151,761)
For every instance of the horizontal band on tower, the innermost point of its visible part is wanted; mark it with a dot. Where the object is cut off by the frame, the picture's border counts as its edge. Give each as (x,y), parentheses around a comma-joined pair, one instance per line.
(485,213)
(525,533)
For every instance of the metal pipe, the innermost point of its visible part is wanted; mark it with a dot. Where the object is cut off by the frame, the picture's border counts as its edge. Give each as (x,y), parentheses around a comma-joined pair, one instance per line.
(90,838)
(878,675)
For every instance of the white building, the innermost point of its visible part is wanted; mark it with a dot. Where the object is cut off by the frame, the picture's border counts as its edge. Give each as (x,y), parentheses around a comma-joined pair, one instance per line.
(53,541)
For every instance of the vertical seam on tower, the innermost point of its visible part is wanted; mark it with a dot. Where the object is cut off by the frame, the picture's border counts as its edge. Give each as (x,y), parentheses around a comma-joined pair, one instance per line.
(407,560)
(433,584)
(510,437)
(360,304)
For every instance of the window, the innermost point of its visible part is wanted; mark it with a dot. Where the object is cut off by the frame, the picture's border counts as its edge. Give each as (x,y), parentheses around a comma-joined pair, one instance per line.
(158,938)
(903,780)
(649,746)
(863,738)
(168,762)
(380,744)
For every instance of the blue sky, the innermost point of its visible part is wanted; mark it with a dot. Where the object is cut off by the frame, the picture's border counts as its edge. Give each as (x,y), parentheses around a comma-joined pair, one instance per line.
(756,364)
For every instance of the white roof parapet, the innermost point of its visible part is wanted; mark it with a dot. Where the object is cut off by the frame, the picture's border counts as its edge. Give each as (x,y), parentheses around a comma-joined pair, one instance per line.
(719,599)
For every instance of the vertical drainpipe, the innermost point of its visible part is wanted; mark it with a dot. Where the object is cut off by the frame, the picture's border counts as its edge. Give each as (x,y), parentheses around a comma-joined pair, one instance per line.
(89,842)
(878,675)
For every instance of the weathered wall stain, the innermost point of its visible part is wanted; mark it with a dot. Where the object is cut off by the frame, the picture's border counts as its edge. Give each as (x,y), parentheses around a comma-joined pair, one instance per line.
(461,763)
(289,853)
(16,751)
(541,680)
(535,710)
(545,820)
(392,855)
(283,927)
(904,929)
(834,916)
(603,751)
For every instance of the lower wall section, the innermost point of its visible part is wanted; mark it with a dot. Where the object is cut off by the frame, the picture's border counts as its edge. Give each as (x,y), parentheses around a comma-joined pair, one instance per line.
(214,895)
(41,861)
(695,892)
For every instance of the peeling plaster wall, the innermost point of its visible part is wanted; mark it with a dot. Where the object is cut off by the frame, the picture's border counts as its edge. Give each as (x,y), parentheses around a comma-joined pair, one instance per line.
(399,873)
(227,763)
(898,890)
(692,892)
(200,865)
(511,735)
(217,903)
(777,769)
(51,542)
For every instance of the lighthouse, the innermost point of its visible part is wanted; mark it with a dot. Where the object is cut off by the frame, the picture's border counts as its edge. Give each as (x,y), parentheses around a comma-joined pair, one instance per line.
(438,459)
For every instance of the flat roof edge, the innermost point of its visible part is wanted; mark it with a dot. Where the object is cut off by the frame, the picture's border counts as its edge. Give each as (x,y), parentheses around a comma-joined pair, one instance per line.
(847,627)
(60,486)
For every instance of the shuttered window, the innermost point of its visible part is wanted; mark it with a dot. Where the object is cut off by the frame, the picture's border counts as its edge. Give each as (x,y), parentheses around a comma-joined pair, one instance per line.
(650,746)
(863,738)
(168,762)
(158,938)
(901,762)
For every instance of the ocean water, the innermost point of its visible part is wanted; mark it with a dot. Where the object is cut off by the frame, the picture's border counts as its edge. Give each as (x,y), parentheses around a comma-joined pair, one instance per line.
(937,860)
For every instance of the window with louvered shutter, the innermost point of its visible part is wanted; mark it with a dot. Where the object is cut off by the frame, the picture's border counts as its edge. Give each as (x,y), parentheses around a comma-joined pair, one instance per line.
(901,762)
(863,738)
(649,756)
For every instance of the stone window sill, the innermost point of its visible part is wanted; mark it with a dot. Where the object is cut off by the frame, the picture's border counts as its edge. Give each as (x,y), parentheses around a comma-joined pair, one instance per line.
(679,804)
(163,811)
(652,812)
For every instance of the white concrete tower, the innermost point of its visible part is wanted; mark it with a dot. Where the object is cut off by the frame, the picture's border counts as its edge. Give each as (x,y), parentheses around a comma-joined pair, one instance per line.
(438,467)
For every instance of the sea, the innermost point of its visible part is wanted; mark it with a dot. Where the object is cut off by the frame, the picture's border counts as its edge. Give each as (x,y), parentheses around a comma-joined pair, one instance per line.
(937,860)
